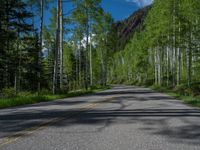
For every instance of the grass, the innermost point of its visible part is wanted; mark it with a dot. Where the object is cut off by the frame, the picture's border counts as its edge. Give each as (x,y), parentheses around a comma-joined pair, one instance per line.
(192,100)
(35,98)
(188,99)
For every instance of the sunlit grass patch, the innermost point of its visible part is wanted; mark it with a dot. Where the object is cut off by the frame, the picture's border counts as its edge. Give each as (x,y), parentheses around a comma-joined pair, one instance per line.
(193,100)
(31,98)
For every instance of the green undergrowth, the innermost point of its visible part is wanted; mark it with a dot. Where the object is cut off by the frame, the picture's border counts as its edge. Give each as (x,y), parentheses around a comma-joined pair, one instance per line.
(32,98)
(189,96)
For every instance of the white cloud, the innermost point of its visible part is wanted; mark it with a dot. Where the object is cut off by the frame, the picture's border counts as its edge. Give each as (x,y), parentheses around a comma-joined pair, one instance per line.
(83,41)
(141,3)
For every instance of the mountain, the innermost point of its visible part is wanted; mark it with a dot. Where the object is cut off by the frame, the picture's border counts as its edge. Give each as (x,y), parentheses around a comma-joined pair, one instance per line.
(126,28)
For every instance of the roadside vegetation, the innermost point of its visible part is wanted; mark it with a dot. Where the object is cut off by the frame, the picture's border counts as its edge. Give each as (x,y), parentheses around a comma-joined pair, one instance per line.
(189,96)
(10,99)
(45,58)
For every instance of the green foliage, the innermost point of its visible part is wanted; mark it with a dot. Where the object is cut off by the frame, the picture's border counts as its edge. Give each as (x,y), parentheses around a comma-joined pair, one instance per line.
(164,53)
(24,94)
(19,46)
(181,89)
(176,93)
(194,101)
(24,98)
(44,92)
(8,92)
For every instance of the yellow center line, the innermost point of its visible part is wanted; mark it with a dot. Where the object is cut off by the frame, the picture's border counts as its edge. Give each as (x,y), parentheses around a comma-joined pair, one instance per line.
(14,137)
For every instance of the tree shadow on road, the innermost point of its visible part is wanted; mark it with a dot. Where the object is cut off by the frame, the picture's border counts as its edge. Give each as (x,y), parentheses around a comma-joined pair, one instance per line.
(153,121)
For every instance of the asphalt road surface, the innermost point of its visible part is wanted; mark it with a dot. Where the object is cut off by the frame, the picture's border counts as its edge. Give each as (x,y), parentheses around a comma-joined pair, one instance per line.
(121,118)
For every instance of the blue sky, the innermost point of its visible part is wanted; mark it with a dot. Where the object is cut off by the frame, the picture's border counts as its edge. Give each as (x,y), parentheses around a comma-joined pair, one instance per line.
(120,9)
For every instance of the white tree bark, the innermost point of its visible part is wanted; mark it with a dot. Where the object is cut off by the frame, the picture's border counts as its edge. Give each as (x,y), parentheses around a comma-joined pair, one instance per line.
(57,51)
(61,43)
(41,41)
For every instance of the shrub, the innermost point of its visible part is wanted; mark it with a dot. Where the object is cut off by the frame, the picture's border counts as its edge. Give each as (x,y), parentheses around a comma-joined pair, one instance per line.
(149,82)
(23,94)
(9,92)
(188,92)
(195,88)
(44,92)
(181,89)
(156,87)
(62,91)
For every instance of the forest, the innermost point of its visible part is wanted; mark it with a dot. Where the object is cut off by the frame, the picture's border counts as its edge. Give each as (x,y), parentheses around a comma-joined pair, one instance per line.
(164,50)
(69,53)
(84,48)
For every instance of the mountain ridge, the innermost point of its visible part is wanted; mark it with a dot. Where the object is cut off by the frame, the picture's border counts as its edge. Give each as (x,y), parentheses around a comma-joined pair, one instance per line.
(127,27)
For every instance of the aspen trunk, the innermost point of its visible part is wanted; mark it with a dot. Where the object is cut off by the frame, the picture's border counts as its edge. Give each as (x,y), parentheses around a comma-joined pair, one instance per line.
(159,66)
(91,76)
(168,66)
(41,35)
(61,42)
(80,65)
(57,51)
(86,52)
(174,44)
(179,51)
(155,67)
(189,61)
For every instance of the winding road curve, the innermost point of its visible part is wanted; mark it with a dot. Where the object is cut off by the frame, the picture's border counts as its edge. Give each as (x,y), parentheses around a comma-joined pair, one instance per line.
(121,118)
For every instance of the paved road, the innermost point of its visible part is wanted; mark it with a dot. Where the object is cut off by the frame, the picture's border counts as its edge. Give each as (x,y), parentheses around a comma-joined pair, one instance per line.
(122,118)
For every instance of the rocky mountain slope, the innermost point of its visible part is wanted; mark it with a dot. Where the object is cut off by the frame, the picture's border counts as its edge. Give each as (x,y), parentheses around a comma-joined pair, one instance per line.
(126,28)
